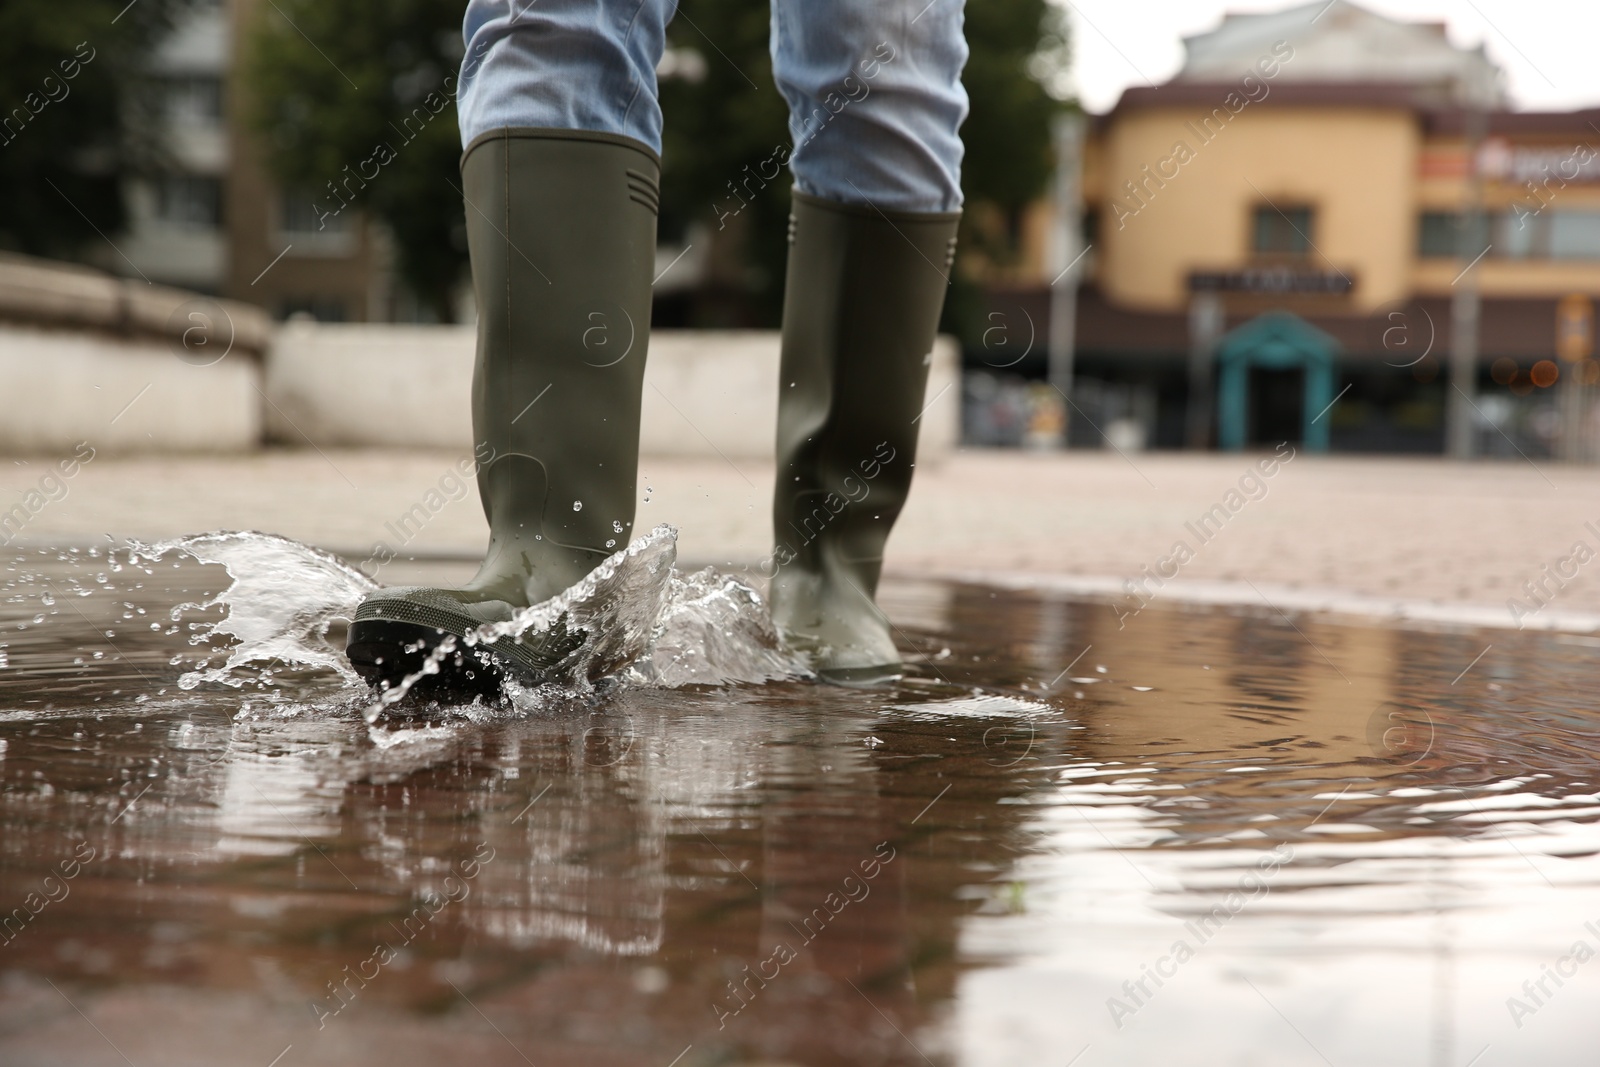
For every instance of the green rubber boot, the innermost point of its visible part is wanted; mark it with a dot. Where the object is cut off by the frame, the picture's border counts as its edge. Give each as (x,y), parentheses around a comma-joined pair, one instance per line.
(862,303)
(561,226)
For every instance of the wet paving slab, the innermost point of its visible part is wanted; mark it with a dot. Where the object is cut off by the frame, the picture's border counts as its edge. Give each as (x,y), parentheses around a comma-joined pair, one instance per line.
(1067,837)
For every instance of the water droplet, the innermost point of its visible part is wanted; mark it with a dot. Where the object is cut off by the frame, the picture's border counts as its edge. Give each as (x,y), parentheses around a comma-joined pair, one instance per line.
(616,526)
(577,505)
(611,543)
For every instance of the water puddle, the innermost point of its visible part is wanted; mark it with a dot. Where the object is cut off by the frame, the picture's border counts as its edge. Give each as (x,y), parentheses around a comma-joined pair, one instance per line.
(1208,836)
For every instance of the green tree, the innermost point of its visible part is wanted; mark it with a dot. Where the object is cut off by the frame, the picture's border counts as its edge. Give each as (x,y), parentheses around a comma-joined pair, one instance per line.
(355,100)
(77,114)
(1019,47)
(728,117)
(325,107)
(1020,51)
(723,116)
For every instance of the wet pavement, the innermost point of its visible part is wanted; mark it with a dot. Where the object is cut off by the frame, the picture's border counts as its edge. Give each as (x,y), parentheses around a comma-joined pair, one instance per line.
(1201,836)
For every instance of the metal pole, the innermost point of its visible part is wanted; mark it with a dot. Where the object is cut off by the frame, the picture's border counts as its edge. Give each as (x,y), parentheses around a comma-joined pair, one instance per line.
(1574,346)
(1205,327)
(1068,130)
(1465,303)
(1569,442)
(1581,402)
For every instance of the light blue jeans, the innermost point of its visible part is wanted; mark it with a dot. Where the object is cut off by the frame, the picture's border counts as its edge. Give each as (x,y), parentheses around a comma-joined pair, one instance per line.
(873,86)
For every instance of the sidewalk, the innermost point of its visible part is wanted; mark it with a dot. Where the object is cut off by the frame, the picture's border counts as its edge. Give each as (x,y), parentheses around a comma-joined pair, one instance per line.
(1421,530)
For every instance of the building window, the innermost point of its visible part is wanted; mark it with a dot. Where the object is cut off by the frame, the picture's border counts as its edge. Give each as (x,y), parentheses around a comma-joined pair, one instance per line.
(1442,235)
(1438,235)
(194,100)
(300,216)
(1281,232)
(1515,234)
(1574,234)
(189,200)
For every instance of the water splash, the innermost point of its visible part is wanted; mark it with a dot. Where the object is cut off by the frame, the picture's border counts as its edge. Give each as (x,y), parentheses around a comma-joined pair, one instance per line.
(714,630)
(283,599)
(645,624)
(617,606)
(649,626)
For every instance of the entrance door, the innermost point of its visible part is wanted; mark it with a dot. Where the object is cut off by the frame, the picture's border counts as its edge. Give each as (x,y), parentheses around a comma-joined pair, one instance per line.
(1274,373)
(1277,405)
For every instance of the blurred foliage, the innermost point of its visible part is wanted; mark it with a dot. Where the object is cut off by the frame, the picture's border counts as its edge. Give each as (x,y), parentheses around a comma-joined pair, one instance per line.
(1020,55)
(726,116)
(334,115)
(719,124)
(725,123)
(1018,47)
(78,113)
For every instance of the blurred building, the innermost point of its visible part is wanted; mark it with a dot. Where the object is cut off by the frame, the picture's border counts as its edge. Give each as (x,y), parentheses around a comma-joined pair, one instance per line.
(215,222)
(175,219)
(1281,225)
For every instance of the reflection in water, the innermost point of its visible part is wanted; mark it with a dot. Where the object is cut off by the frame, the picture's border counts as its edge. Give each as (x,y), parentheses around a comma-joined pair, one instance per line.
(590,859)
(1205,837)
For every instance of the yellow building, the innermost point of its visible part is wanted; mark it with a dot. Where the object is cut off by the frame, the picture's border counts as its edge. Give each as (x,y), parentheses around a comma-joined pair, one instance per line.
(1316,169)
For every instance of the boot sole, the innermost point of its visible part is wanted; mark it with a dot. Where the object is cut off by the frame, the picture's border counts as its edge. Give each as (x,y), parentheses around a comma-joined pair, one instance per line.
(384,653)
(390,639)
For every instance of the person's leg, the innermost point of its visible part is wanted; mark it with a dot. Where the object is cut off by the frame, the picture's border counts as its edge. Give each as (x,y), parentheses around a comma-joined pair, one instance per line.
(876,100)
(563,64)
(561,182)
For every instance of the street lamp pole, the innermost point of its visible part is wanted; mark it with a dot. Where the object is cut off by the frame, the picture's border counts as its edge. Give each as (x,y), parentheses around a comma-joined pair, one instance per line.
(1466,302)
(1206,317)
(1068,131)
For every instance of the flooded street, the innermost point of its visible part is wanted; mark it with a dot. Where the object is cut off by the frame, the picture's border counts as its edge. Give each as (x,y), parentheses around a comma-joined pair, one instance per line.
(1202,836)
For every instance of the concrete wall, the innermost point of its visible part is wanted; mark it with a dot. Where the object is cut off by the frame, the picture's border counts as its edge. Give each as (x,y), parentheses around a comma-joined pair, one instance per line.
(60,387)
(123,364)
(128,366)
(64,296)
(375,386)
(358,385)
